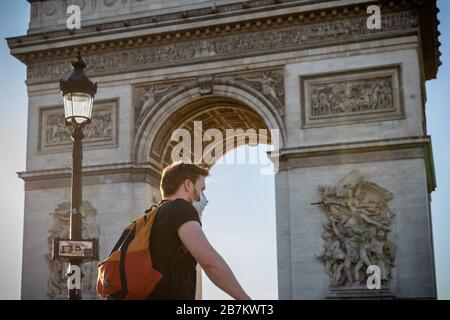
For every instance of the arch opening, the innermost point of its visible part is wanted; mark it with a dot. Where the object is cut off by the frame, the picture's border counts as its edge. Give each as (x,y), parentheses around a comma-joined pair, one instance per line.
(205,129)
(239,222)
(243,121)
(230,105)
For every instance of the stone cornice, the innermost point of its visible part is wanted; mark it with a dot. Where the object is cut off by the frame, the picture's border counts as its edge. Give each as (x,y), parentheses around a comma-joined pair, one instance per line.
(429,36)
(156,21)
(360,152)
(34,48)
(97,174)
(289,158)
(283,38)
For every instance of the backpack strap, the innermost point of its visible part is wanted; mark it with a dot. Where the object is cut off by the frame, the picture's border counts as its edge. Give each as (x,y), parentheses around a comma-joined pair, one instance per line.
(156,205)
(182,250)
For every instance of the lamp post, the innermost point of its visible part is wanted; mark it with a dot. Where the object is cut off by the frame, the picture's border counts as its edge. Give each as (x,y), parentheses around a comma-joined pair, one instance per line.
(78,94)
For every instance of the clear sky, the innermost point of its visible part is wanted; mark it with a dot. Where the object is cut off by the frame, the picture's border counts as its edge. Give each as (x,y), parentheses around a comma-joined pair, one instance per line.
(244,235)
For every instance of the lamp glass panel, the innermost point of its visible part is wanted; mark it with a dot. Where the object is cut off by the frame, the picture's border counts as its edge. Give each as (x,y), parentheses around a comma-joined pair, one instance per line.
(78,107)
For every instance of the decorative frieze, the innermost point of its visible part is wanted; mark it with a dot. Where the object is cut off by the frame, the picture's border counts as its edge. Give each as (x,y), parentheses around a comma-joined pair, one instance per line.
(342,98)
(55,136)
(295,37)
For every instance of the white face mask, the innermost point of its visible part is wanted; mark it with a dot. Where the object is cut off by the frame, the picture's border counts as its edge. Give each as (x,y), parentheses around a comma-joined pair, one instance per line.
(200,205)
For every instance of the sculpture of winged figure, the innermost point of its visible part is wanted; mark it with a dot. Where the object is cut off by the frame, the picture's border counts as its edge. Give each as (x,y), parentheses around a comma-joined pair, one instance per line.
(149,96)
(266,83)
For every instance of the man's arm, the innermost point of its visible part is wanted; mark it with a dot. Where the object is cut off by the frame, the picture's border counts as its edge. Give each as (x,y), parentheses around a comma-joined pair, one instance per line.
(215,267)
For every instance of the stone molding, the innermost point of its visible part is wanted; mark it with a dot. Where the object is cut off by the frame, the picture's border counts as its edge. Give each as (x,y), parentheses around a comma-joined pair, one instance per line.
(361,152)
(92,175)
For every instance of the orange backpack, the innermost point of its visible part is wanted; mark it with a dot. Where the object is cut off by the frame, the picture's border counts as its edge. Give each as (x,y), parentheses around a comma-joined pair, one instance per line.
(128,272)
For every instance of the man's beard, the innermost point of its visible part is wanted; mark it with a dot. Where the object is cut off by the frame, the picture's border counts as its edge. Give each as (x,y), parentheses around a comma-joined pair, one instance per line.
(196,195)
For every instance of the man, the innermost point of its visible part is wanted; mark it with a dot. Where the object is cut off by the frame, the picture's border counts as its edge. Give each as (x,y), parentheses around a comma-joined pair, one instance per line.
(177,223)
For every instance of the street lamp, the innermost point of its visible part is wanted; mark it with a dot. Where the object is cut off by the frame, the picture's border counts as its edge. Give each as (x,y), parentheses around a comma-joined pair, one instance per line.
(78,93)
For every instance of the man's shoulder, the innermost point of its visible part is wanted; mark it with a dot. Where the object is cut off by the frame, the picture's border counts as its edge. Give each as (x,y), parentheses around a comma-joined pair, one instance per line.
(179,205)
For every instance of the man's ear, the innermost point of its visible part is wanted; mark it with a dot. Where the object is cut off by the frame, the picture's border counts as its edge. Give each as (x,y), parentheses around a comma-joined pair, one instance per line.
(187,185)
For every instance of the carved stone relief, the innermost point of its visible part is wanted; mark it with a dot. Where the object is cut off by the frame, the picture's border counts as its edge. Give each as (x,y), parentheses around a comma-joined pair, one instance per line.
(259,42)
(206,84)
(147,96)
(109,3)
(57,284)
(269,83)
(351,97)
(80,3)
(101,132)
(50,8)
(356,232)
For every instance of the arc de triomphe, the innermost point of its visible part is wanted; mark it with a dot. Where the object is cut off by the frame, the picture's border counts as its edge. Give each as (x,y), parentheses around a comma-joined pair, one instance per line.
(355,163)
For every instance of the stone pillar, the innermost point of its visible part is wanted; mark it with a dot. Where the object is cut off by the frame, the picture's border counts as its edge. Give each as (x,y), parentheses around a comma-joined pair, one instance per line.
(392,187)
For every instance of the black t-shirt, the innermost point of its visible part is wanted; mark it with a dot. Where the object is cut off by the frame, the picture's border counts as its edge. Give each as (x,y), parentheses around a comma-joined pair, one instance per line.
(180,276)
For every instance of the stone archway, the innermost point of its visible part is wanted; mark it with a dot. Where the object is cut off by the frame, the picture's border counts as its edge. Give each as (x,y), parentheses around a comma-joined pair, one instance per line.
(344,98)
(223,104)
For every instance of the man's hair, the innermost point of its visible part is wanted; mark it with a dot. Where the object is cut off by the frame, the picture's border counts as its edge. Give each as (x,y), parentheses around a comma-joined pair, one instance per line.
(174,175)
